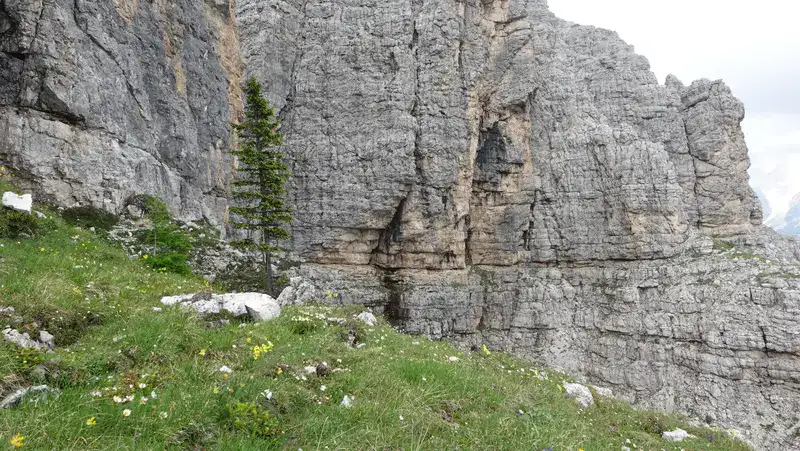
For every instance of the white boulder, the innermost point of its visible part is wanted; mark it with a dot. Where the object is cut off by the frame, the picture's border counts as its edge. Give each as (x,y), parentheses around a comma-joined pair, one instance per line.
(23,203)
(260,307)
(678,435)
(368,319)
(580,393)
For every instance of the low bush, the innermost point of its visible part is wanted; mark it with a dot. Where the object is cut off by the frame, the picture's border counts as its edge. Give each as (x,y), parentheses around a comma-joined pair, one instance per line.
(15,224)
(88,216)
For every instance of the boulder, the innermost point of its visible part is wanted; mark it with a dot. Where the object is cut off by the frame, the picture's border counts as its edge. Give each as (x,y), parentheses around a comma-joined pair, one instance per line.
(23,340)
(580,393)
(678,435)
(22,203)
(37,394)
(261,307)
(368,319)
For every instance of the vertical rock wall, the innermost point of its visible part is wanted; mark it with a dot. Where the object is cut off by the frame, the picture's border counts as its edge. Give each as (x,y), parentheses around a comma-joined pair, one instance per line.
(488,173)
(101,100)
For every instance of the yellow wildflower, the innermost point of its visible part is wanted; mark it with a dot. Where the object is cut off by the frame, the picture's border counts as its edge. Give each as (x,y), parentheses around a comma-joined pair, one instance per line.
(280,371)
(17,441)
(91,421)
(202,353)
(41,249)
(216,390)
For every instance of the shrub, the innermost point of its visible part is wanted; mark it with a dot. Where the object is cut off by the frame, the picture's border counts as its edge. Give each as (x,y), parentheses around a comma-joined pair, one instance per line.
(252,420)
(89,216)
(14,224)
(174,262)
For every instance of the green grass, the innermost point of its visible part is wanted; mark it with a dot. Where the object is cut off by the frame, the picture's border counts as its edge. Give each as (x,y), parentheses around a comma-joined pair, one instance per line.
(407,393)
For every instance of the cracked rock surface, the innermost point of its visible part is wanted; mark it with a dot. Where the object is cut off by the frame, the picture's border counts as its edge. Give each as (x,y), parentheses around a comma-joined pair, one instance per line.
(486,172)
(100,100)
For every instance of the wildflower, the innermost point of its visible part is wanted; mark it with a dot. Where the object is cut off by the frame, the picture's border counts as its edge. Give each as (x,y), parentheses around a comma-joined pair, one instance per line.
(485,350)
(145,256)
(41,249)
(249,340)
(126,413)
(163,415)
(215,390)
(280,371)
(129,398)
(91,421)
(262,349)
(323,388)
(143,400)
(202,353)
(117,400)
(401,418)
(96,394)
(153,394)
(17,441)
(142,385)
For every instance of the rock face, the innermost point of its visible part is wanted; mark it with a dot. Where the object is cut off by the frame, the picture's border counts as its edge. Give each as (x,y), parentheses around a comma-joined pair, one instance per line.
(476,170)
(485,172)
(103,99)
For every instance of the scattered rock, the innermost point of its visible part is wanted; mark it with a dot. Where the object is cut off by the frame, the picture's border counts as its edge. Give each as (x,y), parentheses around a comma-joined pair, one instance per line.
(310,369)
(453,359)
(157,309)
(47,338)
(225,369)
(22,203)
(24,340)
(38,394)
(625,448)
(678,435)
(368,319)
(260,307)
(337,321)
(347,402)
(603,392)
(580,393)
(323,369)
(40,215)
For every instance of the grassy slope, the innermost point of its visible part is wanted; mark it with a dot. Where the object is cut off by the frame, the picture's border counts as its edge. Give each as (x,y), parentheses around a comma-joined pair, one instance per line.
(99,304)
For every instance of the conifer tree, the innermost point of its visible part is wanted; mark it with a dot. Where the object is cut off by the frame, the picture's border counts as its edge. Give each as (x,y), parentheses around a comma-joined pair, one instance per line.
(259,192)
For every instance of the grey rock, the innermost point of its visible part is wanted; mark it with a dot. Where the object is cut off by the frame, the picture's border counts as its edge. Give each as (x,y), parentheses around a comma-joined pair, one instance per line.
(580,393)
(260,307)
(35,394)
(263,308)
(678,435)
(47,339)
(603,391)
(488,173)
(347,402)
(368,319)
(100,100)
(17,202)
(24,340)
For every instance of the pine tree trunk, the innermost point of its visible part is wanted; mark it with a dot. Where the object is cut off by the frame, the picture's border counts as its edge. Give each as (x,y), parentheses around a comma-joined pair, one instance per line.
(268,268)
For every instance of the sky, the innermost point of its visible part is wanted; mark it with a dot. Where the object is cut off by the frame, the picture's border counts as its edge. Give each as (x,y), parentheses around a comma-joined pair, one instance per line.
(753,46)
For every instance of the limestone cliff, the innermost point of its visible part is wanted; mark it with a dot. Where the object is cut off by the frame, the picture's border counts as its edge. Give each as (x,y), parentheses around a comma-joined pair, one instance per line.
(486,172)
(480,170)
(101,100)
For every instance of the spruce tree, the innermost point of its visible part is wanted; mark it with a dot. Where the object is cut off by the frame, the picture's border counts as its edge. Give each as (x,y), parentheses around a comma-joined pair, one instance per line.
(259,192)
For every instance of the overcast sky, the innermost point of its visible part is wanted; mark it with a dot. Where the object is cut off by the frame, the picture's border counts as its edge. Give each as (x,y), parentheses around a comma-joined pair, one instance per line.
(753,46)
